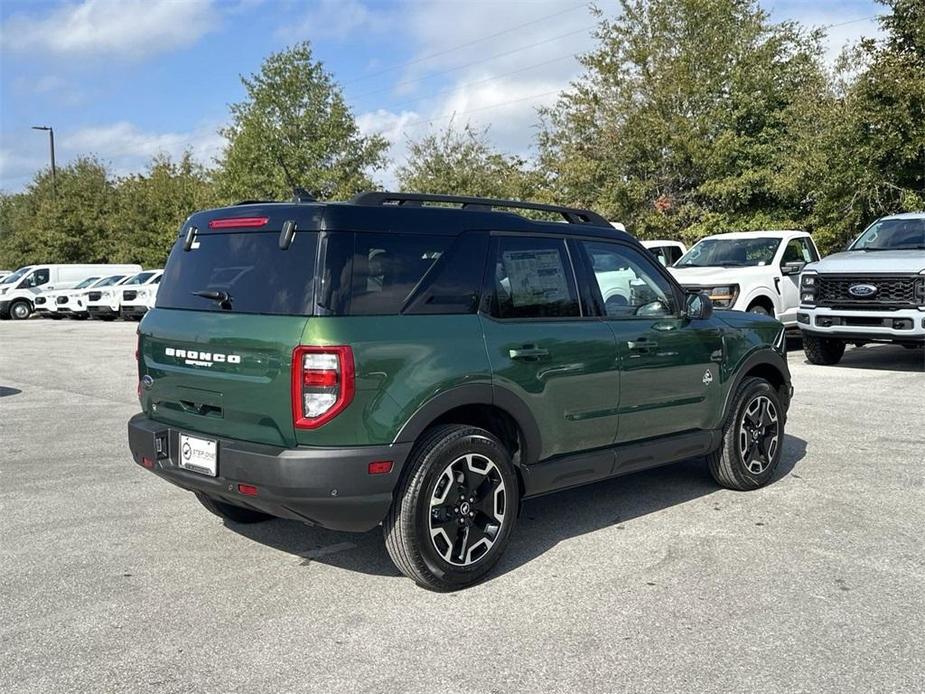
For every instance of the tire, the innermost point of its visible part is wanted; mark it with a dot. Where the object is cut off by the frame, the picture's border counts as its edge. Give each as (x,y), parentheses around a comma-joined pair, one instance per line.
(759,309)
(431,542)
(20,310)
(236,514)
(823,351)
(748,455)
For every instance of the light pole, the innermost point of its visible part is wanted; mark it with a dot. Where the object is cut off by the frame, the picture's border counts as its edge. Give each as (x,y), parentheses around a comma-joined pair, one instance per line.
(51,143)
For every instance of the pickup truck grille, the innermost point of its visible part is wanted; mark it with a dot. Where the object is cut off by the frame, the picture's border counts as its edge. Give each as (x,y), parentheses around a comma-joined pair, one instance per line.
(61,300)
(94,296)
(892,290)
(129,295)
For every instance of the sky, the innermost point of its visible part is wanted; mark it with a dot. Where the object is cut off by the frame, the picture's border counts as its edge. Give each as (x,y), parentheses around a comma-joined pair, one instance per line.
(125,80)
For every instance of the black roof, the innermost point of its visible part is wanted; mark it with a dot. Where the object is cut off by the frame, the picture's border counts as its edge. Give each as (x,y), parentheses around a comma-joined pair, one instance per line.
(407,212)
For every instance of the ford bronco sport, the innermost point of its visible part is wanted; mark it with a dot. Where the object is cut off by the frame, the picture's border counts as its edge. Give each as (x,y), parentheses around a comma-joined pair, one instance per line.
(399,361)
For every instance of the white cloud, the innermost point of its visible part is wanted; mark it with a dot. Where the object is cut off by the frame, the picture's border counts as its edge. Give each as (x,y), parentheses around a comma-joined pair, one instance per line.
(393,127)
(121,28)
(129,149)
(335,19)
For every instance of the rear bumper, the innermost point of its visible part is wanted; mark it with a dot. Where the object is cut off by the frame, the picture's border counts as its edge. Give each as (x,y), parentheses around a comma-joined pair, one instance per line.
(327,487)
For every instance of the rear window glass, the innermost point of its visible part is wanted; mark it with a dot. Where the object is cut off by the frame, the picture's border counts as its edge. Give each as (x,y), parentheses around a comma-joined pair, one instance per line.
(248,267)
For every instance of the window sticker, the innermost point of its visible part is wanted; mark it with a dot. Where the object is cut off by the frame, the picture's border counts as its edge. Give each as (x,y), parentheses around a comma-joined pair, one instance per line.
(536,277)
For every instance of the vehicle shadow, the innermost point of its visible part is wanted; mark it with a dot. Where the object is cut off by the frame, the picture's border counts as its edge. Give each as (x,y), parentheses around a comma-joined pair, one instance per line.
(543,523)
(882,358)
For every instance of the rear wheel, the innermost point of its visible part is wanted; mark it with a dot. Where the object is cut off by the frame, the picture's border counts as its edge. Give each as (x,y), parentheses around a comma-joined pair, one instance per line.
(455,508)
(753,437)
(823,350)
(20,310)
(231,512)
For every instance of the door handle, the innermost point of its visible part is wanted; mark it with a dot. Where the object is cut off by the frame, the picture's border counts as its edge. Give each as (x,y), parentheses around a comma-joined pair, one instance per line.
(528,352)
(643,344)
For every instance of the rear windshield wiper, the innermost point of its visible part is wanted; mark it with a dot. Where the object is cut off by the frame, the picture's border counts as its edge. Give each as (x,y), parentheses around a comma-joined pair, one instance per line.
(223,298)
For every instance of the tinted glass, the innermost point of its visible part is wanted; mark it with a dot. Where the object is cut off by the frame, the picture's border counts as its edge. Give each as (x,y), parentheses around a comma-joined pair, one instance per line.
(249,267)
(37,278)
(798,251)
(378,274)
(533,279)
(892,234)
(628,284)
(9,279)
(109,281)
(730,252)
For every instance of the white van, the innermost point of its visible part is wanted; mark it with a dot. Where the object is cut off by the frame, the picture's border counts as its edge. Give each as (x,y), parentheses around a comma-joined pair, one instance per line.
(19,290)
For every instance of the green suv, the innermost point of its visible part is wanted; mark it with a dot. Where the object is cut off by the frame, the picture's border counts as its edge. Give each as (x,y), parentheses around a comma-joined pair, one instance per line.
(426,363)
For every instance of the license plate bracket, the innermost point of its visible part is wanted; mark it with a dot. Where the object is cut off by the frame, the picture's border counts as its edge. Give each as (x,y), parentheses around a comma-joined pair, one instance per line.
(198,455)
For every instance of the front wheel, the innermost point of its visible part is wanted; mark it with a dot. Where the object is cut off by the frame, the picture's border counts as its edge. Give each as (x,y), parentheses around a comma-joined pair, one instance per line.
(753,437)
(20,310)
(759,309)
(823,351)
(454,509)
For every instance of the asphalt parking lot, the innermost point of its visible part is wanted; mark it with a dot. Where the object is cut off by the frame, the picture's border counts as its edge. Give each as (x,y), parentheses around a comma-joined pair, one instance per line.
(112,580)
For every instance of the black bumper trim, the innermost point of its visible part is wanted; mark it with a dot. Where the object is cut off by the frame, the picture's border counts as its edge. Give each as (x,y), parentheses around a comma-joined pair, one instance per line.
(327,487)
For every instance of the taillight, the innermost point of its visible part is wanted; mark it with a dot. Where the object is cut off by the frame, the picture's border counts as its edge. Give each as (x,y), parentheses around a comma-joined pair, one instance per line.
(323,381)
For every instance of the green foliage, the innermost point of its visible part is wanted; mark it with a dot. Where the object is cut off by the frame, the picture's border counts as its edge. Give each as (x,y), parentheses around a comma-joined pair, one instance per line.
(463,162)
(295,125)
(685,119)
(870,154)
(152,206)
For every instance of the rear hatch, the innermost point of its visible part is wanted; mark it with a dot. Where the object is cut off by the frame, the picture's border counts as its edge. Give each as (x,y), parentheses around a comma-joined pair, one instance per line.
(231,307)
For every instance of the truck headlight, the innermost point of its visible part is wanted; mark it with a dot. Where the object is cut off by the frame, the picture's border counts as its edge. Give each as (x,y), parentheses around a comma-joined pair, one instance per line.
(724,296)
(808,283)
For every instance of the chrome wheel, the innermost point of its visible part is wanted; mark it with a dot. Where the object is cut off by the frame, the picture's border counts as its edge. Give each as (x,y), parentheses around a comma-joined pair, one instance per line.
(20,310)
(467,509)
(759,434)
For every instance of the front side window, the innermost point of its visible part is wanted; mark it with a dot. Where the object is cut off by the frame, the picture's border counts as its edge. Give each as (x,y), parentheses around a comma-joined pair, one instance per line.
(799,251)
(533,279)
(735,252)
(628,283)
(892,235)
(37,278)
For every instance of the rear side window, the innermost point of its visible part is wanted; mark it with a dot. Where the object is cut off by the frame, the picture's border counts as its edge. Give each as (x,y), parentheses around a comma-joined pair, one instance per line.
(390,273)
(248,267)
(533,279)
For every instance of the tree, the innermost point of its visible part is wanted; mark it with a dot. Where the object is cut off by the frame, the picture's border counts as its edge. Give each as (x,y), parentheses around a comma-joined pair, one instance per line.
(685,117)
(151,207)
(294,128)
(70,227)
(464,163)
(871,142)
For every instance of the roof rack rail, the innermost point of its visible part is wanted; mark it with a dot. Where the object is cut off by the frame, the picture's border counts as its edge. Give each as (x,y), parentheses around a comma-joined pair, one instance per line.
(572,215)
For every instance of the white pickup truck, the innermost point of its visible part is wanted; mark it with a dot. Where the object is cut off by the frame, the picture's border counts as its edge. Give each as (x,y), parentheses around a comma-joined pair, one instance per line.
(756,271)
(874,291)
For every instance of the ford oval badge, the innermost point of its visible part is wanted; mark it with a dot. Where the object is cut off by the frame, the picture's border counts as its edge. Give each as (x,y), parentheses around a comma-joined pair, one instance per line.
(862,291)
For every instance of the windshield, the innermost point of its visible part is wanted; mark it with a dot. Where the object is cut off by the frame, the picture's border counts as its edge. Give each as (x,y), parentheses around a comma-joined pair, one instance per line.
(140,278)
(892,235)
(87,282)
(109,281)
(16,275)
(730,252)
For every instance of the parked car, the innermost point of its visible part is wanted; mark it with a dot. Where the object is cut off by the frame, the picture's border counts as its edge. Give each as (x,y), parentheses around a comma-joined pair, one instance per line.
(19,290)
(667,252)
(874,291)
(71,303)
(104,303)
(136,301)
(5,273)
(46,302)
(391,361)
(755,271)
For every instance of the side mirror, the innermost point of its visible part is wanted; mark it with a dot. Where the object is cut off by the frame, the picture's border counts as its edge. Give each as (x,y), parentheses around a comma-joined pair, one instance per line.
(699,306)
(792,268)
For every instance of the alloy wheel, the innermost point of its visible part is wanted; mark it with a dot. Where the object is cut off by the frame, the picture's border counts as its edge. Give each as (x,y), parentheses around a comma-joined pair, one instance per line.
(759,434)
(467,509)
